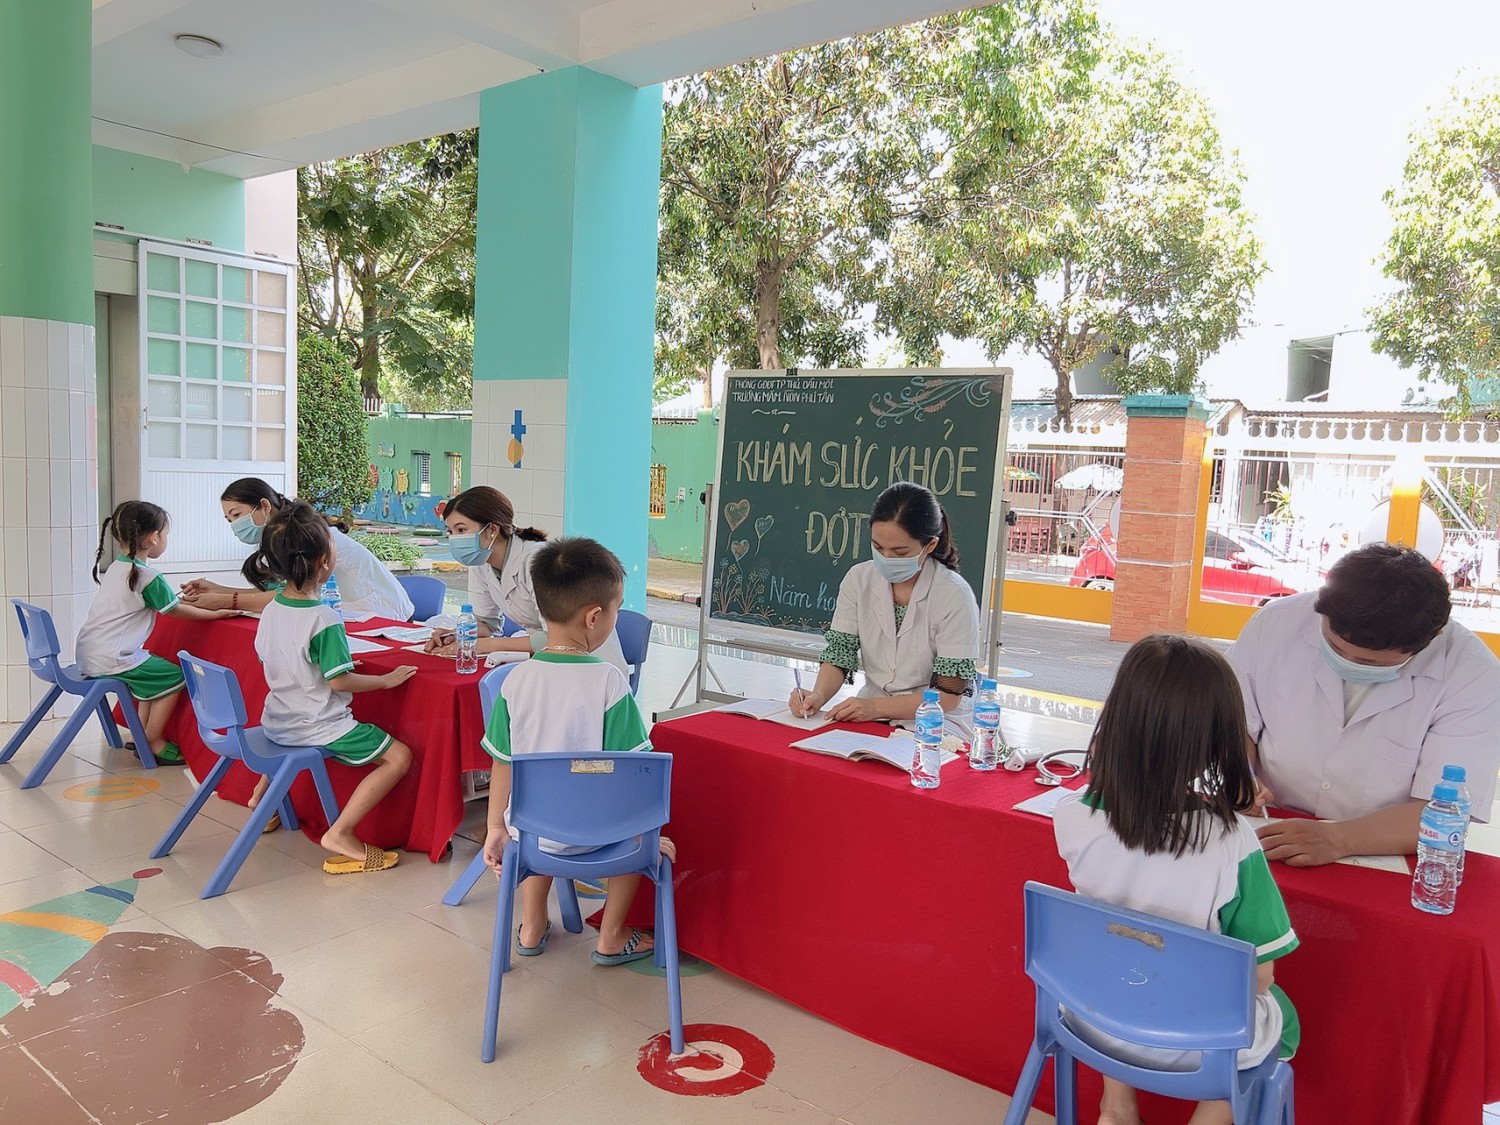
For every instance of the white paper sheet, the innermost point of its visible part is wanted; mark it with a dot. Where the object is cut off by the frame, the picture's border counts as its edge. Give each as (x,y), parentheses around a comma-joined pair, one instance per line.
(358,645)
(1045,802)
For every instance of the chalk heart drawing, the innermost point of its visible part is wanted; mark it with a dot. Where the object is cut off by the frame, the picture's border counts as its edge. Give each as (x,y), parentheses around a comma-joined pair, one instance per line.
(736,512)
(763,525)
(738,548)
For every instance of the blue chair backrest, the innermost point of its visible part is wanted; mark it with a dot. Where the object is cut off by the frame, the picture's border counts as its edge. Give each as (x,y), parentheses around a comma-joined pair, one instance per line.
(634,631)
(426,594)
(1140,978)
(590,798)
(40,636)
(489,688)
(509,626)
(218,705)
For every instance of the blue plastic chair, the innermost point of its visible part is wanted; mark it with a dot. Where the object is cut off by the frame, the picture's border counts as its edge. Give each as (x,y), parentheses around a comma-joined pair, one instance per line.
(567,893)
(509,627)
(616,803)
(220,708)
(1149,982)
(426,593)
(634,631)
(43,655)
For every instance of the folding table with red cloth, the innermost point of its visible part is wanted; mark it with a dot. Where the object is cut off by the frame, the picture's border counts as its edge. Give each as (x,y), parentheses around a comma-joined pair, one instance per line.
(436,713)
(897,914)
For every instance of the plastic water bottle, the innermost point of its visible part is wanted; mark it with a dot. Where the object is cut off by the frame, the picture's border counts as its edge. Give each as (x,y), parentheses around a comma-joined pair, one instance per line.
(1440,842)
(331,596)
(929,752)
(985,753)
(1458,777)
(466,640)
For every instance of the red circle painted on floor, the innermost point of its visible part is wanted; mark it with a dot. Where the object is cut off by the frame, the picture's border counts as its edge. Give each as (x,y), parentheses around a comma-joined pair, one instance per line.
(146,873)
(720,1061)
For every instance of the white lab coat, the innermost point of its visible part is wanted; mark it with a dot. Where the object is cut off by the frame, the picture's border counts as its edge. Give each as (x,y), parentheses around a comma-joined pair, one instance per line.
(366,585)
(1444,708)
(942,620)
(508,592)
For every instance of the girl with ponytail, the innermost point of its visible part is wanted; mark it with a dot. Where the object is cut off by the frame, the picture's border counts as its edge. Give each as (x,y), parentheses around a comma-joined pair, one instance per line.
(906,615)
(131,594)
(366,585)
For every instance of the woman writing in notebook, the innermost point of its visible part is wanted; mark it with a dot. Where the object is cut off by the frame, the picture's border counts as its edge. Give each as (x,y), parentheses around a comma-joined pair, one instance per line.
(906,615)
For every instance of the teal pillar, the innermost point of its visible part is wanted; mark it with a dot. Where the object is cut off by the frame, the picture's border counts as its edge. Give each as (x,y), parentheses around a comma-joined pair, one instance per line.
(565,305)
(46,161)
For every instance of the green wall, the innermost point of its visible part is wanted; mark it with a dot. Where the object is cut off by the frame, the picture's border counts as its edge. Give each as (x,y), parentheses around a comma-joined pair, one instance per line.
(393,442)
(156,197)
(688,450)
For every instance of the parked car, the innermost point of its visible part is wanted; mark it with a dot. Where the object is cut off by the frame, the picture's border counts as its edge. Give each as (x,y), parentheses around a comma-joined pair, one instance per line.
(1237,568)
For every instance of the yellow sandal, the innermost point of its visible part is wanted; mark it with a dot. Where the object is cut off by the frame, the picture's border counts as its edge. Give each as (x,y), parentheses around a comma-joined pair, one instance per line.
(375,860)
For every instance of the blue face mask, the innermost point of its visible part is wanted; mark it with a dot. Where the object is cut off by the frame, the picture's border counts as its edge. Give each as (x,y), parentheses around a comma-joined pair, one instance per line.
(1352,673)
(468,550)
(896,571)
(246,530)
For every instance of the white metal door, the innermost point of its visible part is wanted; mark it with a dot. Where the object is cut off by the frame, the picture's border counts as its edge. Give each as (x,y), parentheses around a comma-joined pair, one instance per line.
(218,388)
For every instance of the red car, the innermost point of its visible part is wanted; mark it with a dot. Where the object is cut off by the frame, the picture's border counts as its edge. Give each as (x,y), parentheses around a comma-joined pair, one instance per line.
(1237,568)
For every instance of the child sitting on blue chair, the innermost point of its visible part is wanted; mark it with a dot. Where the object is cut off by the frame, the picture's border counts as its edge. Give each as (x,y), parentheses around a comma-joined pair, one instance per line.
(310,676)
(112,639)
(1161,829)
(564,699)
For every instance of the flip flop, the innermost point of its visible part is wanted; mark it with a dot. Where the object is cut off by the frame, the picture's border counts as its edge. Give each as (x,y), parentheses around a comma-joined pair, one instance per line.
(168,755)
(375,860)
(533,950)
(273,825)
(631,952)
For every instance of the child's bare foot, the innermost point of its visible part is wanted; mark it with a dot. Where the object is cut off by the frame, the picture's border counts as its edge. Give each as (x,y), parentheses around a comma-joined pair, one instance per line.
(1108,1118)
(258,792)
(532,933)
(343,843)
(623,948)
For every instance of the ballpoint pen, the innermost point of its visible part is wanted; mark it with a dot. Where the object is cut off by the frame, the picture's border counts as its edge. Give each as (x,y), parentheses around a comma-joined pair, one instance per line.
(797,679)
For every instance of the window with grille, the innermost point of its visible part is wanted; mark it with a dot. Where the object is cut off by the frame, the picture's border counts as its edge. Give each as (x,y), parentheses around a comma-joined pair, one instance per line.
(658,492)
(455,473)
(424,472)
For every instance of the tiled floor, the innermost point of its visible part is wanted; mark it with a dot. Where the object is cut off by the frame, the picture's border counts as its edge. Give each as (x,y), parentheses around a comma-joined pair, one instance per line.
(302,997)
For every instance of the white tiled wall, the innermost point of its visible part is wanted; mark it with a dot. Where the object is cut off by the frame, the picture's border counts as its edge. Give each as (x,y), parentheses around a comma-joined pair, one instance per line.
(537,487)
(48,523)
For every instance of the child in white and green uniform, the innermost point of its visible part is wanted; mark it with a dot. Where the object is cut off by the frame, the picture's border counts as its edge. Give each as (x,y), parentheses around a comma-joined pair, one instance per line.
(1161,829)
(310,679)
(112,639)
(564,698)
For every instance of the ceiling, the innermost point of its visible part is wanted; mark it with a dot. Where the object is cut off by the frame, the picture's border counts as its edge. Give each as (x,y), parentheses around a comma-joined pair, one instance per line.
(307,80)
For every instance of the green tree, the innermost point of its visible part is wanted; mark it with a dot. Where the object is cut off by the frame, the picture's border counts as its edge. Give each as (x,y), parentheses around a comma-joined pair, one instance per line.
(1114,225)
(332,457)
(386,258)
(1443,254)
(784,180)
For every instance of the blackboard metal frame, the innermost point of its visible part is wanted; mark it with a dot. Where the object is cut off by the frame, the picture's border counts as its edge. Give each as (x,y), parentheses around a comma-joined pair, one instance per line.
(713,632)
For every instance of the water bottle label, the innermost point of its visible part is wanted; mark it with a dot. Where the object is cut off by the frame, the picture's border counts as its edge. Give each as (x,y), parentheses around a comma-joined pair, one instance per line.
(1439,837)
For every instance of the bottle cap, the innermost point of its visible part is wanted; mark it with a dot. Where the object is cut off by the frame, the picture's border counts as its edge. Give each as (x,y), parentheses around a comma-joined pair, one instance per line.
(1456,774)
(466,608)
(988,685)
(930,695)
(1443,791)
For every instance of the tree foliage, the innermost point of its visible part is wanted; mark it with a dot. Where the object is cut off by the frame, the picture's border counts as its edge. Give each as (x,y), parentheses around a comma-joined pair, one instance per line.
(1114,225)
(1443,254)
(332,458)
(386,257)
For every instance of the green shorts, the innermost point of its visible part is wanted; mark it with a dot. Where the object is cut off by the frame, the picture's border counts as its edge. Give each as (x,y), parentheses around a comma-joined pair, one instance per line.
(361,746)
(156,678)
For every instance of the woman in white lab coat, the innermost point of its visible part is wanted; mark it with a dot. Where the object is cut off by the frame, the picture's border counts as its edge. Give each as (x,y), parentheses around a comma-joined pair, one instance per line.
(482,534)
(906,615)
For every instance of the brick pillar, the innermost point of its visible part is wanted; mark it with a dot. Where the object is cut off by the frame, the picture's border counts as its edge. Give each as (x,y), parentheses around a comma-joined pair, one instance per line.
(1158,509)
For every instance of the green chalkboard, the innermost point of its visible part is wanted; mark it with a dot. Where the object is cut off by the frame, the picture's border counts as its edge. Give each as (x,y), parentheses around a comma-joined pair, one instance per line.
(802,457)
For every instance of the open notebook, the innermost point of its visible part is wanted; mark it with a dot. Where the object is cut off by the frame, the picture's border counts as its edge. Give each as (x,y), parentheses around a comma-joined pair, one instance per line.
(775,712)
(896,749)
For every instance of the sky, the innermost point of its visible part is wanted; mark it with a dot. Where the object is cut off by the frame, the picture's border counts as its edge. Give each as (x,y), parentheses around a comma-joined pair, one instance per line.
(1319,98)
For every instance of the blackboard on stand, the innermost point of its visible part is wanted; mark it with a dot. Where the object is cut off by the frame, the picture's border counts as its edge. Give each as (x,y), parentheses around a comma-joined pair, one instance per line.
(802,457)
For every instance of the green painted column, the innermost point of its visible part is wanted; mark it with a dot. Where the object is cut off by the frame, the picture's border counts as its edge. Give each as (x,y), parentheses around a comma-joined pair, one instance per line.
(565,305)
(46,155)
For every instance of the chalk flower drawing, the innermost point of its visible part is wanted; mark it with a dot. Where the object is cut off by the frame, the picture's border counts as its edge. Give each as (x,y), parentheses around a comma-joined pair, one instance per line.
(925,395)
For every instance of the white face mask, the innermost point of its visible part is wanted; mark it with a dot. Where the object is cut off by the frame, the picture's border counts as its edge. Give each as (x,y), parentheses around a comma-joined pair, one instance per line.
(1352,673)
(896,571)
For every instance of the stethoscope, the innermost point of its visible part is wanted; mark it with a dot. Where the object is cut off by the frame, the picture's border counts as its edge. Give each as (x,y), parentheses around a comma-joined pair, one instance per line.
(1052,768)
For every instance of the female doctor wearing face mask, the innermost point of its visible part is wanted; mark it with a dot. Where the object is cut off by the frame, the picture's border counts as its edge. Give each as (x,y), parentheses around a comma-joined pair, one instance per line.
(483,536)
(906,615)
(366,585)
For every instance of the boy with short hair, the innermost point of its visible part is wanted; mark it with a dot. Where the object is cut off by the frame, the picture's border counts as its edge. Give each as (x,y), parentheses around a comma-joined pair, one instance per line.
(564,698)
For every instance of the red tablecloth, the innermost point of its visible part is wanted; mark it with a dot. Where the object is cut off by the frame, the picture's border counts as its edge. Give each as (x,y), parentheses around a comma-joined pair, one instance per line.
(897,914)
(436,713)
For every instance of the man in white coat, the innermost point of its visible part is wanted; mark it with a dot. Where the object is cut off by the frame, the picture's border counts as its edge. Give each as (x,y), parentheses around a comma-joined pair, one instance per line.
(1357,696)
